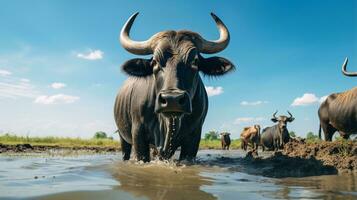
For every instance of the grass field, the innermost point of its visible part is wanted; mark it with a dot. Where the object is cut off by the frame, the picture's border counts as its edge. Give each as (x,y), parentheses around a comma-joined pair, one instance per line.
(216,144)
(79,142)
(57,141)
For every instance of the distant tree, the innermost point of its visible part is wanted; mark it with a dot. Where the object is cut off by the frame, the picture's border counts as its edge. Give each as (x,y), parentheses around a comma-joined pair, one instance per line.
(211,135)
(310,136)
(100,135)
(292,134)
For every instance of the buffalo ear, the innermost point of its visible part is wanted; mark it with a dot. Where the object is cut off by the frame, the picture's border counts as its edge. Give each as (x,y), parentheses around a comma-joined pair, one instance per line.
(138,67)
(215,66)
(291,119)
(274,120)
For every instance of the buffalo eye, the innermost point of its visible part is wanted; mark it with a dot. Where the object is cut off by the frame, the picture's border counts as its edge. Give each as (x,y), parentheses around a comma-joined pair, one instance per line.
(194,63)
(155,66)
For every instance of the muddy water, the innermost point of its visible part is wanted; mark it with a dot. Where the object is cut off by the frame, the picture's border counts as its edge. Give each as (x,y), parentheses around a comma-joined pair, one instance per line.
(106,177)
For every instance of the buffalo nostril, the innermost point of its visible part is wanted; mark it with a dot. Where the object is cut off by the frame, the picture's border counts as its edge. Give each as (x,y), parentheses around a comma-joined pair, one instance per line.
(162,100)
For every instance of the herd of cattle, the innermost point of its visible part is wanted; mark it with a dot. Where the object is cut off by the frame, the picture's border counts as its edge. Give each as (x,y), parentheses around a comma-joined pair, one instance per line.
(164,103)
(271,138)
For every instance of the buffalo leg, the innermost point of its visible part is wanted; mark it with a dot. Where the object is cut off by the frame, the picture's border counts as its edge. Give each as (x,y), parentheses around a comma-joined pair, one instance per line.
(255,146)
(141,145)
(242,144)
(245,145)
(329,130)
(189,147)
(280,142)
(252,145)
(125,148)
(276,144)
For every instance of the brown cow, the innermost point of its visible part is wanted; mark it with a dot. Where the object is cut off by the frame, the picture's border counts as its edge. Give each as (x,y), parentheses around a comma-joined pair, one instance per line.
(225,140)
(250,135)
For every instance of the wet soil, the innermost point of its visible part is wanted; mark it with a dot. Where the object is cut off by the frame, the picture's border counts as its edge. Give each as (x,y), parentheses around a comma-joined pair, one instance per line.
(341,155)
(301,159)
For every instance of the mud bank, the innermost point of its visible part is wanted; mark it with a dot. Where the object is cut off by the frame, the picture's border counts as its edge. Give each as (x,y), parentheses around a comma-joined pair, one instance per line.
(27,148)
(341,155)
(300,159)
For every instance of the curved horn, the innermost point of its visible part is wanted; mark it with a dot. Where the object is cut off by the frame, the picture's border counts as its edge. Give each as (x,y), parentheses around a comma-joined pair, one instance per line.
(210,47)
(135,47)
(290,115)
(344,69)
(291,118)
(274,117)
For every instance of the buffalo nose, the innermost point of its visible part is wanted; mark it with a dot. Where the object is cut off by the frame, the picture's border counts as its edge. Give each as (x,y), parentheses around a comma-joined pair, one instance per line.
(173,102)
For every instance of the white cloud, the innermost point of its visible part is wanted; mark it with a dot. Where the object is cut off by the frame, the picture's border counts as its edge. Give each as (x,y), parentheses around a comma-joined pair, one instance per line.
(242,120)
(58,85)
(56,99)
(92,55)
(214,91)
(4,72)
(253,103)
(12,87)
(308,99)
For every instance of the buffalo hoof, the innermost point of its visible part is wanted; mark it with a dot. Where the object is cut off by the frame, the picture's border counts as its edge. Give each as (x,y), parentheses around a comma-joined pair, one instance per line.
(252,154)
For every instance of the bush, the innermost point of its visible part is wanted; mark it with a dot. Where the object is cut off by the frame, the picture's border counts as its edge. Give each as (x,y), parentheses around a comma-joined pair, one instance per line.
(100,135)
(292,134)
(211,135)
(311,136)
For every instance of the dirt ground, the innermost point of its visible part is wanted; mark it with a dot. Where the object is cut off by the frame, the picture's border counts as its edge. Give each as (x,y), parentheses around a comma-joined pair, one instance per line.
(339,154)
(300,158)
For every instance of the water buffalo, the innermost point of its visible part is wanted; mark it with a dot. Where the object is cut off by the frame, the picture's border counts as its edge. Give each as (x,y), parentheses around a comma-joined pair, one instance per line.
(276,136)
(164,101)
(339,111)
(250,135)
(225,140)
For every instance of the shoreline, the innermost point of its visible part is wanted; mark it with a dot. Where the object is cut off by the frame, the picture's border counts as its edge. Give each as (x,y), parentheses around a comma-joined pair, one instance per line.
(28,148)
(309,158)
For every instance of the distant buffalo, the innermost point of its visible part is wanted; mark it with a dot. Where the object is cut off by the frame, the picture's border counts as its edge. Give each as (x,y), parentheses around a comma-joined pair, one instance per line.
(276,136)
(164,101)
(250,135)
(225,140)
(339,111)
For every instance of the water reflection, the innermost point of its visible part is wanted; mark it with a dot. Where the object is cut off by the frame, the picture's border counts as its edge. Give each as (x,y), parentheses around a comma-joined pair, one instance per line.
(217,175)
(342,186)
(158,182)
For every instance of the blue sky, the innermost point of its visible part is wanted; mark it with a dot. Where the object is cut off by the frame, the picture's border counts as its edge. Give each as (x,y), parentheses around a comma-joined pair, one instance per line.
(60,60)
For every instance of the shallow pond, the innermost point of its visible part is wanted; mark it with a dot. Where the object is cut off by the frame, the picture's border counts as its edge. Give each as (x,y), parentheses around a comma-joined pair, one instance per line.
(107,177)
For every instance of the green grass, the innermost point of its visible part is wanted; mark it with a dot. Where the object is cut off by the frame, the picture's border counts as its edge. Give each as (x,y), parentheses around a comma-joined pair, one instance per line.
(79,142)
(58,141)
(216,144)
